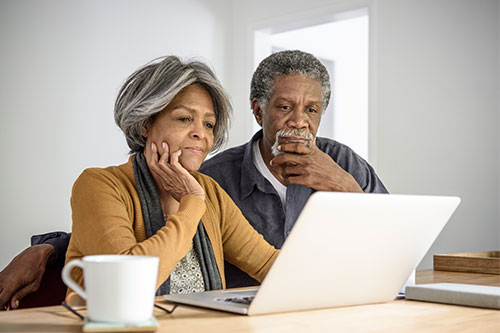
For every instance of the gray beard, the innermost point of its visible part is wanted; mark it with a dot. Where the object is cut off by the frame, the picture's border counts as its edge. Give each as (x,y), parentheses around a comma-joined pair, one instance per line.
(294,132)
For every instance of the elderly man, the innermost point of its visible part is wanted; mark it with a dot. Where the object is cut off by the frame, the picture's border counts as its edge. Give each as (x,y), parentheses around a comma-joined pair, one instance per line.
(270,178)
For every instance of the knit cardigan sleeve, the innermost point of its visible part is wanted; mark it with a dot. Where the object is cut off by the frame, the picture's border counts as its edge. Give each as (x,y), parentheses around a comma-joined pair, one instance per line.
(242,245)
(107,219)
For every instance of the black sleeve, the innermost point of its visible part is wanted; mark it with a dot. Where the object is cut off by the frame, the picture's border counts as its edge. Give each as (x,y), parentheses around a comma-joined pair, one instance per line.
(58,239)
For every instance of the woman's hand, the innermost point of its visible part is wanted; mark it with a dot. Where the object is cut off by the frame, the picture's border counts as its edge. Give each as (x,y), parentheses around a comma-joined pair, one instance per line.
(170,175)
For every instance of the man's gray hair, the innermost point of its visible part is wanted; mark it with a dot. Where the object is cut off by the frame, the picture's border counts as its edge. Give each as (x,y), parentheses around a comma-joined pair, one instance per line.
(284,63)
(151,88)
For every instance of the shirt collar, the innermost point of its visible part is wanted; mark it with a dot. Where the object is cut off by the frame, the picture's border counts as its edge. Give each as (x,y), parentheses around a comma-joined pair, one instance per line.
(250,176)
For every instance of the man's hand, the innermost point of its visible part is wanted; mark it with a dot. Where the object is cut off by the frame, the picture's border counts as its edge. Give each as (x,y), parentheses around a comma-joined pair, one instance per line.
(23,274)
(311,167)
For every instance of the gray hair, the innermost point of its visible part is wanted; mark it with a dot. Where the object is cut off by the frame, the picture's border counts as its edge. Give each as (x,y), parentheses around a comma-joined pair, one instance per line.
(284,63)
(151,88)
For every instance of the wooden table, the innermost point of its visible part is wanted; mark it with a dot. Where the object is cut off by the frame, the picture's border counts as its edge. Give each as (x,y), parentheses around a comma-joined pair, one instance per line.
(395,316)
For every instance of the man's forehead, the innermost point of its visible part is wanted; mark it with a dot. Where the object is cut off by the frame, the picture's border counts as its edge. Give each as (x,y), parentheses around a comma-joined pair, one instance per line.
(291,85)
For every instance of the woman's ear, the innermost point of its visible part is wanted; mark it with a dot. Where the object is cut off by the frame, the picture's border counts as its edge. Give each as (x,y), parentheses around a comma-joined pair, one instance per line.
(146,128)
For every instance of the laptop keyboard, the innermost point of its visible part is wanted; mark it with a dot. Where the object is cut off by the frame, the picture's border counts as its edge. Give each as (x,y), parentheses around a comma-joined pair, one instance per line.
(240,300)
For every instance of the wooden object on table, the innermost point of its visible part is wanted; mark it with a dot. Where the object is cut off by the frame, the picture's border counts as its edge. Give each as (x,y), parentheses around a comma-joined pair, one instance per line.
(432,276)
(487,262)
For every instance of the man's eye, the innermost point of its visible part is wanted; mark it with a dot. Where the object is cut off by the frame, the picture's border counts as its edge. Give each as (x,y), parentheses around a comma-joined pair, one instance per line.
(312,110)
(285,107)
(185,119)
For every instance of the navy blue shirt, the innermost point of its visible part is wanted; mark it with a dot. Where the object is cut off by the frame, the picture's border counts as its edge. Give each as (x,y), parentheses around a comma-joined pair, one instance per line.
(259,202)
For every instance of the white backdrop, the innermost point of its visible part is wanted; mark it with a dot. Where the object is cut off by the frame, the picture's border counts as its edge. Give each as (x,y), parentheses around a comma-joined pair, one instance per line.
(434,96)
(62,63)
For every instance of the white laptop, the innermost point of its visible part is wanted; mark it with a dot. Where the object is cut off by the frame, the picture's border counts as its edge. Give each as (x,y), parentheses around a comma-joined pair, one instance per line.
(345,249)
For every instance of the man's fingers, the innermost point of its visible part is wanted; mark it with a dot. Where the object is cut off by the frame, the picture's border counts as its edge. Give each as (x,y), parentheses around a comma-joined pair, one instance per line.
(293,170)
(296,179)
(19,295)
(287,159)
(295,148)
(5,295)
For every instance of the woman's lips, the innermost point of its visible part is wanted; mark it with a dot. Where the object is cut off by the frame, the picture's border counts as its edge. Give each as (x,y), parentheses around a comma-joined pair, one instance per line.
(195,150)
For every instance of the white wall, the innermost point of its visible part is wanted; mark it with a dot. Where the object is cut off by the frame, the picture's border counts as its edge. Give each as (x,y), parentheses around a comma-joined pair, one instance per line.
(62,63)
(434,100)
(438,110)
(434,95)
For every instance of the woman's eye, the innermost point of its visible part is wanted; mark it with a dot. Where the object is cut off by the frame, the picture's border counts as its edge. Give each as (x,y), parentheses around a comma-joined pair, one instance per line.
(210,125)
(185,119)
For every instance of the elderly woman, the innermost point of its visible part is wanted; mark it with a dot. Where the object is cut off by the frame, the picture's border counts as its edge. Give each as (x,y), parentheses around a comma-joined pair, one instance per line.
(172,114)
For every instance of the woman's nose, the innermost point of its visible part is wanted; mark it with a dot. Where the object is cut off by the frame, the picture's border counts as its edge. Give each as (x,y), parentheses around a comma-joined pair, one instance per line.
(197,131)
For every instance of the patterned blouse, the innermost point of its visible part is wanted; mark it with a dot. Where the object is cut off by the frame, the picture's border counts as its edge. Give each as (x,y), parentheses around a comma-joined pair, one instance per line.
(186,277)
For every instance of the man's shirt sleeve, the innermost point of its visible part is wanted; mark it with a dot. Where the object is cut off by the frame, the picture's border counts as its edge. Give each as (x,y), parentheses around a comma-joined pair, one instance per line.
(58,239)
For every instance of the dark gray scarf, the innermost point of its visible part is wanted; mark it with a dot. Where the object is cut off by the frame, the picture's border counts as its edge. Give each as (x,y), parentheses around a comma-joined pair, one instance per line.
(154,221)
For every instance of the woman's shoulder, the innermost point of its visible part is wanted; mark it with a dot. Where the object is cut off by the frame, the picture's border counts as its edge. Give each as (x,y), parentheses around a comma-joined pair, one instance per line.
(111,175)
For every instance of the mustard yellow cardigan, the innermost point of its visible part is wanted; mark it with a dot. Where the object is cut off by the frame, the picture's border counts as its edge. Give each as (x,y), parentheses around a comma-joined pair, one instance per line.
(107,219)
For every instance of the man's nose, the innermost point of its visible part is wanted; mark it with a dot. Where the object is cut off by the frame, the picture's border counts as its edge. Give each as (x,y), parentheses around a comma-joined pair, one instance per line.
(297,119)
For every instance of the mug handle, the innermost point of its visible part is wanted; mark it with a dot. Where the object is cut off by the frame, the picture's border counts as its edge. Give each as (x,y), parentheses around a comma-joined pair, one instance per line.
(65,274)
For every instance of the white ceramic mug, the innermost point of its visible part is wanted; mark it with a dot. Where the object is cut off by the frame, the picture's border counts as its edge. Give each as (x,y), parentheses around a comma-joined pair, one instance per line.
(118,288)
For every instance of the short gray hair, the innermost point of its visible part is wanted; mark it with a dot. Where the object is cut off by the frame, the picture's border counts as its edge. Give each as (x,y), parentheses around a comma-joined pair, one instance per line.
(284,63)
(151,88)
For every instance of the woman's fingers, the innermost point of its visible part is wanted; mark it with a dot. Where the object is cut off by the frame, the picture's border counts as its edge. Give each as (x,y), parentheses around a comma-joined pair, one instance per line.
(164,154)
(169,173)
(154,155)
(174,159)
(151,155)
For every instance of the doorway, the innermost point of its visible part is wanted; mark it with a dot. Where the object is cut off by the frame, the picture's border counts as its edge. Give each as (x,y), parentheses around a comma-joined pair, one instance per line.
(342,46)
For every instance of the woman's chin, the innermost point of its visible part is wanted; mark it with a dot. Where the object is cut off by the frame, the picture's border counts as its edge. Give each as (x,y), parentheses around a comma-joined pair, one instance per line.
(190,165)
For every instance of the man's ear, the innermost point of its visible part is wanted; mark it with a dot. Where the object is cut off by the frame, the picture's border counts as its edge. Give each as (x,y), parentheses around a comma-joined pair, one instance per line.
(257,111)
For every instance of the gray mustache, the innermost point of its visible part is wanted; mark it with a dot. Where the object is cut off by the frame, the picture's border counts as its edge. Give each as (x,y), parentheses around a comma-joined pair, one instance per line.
(293,132)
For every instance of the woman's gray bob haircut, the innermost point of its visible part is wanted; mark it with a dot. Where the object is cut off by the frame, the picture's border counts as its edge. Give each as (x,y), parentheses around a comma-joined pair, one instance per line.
(284,63)
(151,88)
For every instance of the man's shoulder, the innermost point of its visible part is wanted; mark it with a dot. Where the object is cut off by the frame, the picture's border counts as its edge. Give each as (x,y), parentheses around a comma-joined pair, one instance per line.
(333,147)
(342,154)
(354,164)
(224,161)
